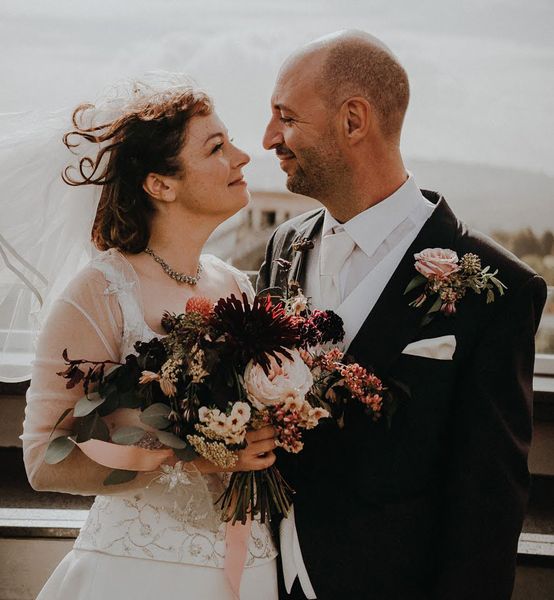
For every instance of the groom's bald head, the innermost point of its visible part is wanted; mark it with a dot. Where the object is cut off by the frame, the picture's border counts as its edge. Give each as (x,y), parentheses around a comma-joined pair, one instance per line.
(354,63)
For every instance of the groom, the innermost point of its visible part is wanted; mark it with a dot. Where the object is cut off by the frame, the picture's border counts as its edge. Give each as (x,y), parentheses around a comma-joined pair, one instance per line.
(432,506)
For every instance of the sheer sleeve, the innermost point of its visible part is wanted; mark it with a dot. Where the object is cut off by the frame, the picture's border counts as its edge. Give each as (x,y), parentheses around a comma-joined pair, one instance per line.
(86,320)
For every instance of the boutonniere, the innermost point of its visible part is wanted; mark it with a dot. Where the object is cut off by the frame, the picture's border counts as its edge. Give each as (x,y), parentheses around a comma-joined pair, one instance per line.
(447,278)
(303,245)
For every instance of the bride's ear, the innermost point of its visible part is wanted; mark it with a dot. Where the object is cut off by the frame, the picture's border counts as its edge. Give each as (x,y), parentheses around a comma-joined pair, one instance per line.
(159,187)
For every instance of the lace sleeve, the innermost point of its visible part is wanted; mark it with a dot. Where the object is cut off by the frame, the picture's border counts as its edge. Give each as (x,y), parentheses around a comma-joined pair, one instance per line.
(86,321)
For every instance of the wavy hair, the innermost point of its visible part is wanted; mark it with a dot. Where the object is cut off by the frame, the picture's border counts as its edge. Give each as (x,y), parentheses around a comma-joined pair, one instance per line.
(145,138)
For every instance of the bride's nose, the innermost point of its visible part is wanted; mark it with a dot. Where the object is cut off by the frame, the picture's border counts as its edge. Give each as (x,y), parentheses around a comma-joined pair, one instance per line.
(241,158)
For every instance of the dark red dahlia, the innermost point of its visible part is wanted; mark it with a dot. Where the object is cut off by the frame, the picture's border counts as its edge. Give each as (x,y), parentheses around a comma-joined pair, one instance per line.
(255,331)
(329,324)
(309,333)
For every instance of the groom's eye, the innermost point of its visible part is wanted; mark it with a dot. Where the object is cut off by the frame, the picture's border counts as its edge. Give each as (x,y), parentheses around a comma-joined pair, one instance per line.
(286,120)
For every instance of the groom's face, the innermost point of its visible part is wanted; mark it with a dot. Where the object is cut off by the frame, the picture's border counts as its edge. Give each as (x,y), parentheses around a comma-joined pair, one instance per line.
(302,131)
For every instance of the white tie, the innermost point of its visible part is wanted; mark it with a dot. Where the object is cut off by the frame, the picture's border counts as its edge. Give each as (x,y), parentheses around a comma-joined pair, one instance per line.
(335,250)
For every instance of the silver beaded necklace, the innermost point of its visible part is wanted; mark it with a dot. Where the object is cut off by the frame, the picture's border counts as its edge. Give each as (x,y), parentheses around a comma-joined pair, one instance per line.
(180,277)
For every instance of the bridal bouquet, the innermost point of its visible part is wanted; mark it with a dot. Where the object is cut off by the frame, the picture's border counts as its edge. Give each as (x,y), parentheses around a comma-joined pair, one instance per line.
(221,370)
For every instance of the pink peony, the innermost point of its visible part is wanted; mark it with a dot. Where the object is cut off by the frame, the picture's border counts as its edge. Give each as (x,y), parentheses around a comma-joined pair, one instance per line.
(436,263)
(292,379)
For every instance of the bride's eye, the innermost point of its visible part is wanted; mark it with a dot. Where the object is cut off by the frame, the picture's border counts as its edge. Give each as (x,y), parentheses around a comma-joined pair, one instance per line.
(217,147)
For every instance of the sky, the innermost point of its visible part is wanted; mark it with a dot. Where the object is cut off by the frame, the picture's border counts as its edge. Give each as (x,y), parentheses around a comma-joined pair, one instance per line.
(481,71)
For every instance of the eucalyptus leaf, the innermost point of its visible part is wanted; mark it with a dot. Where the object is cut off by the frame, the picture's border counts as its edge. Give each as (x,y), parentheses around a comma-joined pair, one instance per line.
(62,417)
(127,435)
(186,454)
(58,449)
(156,415)
(92,427)
(436,306)
(171,440)
(415,282)
(119,476)
(87,404)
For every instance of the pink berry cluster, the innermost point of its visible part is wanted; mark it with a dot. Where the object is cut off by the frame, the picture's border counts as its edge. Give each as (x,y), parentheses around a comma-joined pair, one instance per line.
(290,418)
(364,386)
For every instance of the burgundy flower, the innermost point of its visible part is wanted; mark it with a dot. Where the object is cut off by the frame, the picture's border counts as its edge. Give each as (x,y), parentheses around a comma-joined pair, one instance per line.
(169,321)
(255,331)
(310,335)
(330,325)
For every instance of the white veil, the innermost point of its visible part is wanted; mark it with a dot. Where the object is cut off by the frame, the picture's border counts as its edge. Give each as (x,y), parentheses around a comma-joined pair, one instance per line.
(45,224)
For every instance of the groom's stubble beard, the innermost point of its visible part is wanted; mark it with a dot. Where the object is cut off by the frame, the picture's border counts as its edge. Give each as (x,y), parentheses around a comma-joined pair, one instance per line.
(323,172)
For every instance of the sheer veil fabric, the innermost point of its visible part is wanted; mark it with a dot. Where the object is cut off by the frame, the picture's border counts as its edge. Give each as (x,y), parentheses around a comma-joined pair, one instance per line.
(46,224)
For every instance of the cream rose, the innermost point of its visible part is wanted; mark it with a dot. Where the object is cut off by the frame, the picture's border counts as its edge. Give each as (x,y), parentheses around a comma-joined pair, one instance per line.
(292,379)
(436,262)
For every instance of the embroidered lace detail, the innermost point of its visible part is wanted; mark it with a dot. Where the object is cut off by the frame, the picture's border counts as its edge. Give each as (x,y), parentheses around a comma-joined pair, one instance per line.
(177,525)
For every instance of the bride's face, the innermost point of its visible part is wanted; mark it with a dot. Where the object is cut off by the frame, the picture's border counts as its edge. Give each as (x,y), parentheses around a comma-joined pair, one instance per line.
(213,182)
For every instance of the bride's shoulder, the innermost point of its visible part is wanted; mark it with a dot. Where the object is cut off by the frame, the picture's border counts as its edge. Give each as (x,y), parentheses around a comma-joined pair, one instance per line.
(105,272)
(228,271)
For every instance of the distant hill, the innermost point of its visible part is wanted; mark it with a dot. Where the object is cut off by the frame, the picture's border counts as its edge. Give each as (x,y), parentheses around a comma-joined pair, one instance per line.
(484,197)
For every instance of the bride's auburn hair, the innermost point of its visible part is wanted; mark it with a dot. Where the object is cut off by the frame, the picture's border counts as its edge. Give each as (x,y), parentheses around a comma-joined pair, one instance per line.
(146,138)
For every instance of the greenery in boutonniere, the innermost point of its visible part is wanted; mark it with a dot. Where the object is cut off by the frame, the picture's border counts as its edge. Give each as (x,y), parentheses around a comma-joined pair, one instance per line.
(447,279)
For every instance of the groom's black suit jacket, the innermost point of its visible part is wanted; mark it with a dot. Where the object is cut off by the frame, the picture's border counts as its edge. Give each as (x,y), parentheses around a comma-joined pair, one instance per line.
(433,506)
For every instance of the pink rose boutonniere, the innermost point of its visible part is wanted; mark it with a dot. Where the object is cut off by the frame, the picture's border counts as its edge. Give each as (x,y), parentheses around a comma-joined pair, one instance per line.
(447,278)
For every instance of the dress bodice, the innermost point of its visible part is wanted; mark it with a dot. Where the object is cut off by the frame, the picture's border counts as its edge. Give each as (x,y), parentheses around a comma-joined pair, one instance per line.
(181,525)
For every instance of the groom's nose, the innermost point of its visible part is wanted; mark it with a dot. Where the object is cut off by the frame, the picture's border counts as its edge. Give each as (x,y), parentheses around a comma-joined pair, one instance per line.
(272,136)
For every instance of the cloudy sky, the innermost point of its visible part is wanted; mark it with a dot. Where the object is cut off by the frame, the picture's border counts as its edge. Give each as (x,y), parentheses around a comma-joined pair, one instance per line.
(481,70)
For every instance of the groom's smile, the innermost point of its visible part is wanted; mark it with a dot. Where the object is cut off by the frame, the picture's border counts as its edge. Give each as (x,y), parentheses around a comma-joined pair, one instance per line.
(284,155)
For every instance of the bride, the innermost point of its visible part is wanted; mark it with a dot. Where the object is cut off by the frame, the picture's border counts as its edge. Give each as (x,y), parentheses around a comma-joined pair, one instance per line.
(168,175)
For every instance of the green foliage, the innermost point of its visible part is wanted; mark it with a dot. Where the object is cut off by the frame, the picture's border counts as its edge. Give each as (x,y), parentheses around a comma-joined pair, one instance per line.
(127,435)
(171,440)
(119,476)
(91,427)
(87,404)
(58,449)
(156,416)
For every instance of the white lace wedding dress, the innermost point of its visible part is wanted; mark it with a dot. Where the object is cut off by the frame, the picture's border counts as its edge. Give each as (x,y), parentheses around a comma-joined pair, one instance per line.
(147,542)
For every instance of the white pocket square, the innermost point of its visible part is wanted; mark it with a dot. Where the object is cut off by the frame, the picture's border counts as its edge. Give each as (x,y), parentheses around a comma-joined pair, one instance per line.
(439,348)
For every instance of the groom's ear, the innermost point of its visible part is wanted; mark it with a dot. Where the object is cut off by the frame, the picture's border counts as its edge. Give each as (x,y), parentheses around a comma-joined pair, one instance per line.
(357,119)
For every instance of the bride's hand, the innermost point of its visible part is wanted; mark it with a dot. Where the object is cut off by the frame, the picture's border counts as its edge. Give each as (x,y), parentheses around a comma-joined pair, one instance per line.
(257,455)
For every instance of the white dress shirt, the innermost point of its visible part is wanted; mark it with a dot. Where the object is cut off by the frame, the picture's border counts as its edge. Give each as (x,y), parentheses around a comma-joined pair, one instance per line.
(382,233)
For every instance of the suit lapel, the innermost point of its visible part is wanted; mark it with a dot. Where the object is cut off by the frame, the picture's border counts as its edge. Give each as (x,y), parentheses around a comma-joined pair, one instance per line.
(392,323)
(308,230)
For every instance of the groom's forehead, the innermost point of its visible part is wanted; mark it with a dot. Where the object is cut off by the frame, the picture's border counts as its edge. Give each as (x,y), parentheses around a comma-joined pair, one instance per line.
(294,84)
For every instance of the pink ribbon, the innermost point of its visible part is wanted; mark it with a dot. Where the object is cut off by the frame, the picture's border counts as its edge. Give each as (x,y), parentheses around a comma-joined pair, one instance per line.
(129,458)
(132,458)
(236,547)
